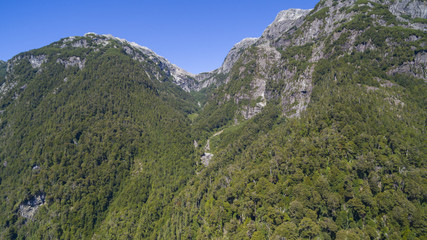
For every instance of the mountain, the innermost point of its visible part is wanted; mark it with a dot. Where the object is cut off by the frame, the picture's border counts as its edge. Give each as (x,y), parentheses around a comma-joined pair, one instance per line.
(84,121)
(284,21)
(2,70)
(314,130)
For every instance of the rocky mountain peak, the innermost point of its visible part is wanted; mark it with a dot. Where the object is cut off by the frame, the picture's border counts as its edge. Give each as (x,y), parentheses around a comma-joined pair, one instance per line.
(180,76)
(235,53)
(290,15)
(416,9)
(284,21)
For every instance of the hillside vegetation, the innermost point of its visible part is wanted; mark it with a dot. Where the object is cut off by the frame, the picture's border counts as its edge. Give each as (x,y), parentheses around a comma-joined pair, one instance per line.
(317,133)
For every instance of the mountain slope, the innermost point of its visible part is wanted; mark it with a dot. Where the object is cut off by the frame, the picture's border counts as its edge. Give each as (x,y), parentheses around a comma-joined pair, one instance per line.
(79,128)
(2,69)
(347,160)
(314,130)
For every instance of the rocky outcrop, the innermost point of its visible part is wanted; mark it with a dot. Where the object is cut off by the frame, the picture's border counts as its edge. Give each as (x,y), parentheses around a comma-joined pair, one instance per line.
(413,8)
(6,87)
(297,95)
(323,21)
(416,68)
(72,62)
(29,208)
(207,79)
(266,59)
(207,157)
(235,54)
(178,75)
(284,21)
(37,61)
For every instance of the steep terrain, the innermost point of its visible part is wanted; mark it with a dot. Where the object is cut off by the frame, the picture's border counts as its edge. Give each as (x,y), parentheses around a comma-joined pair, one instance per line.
(316,129)
(80,132)
(334,147)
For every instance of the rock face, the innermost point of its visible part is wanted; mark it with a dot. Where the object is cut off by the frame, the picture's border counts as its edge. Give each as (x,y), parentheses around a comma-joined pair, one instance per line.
(416,68)
(206,158)
(264,65)
(207,79)
(235,54)
(414,8)
(72,62)
(6,86)
(179,76)
(270,60)
(284,21)
(29,208)
(37,61)
(312,25)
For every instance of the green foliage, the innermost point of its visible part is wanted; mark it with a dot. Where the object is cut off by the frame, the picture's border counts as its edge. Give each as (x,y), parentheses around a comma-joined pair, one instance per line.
(102,147)
(320,14)
(3,66)
(348,164)
(116,155)
(420,20)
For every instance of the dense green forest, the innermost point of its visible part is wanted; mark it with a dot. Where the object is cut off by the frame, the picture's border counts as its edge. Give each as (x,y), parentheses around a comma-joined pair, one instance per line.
(3,66)
(113,149)
(86,139)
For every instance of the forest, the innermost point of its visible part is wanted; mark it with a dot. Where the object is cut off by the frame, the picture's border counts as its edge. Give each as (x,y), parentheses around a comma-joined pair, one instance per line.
(112,148)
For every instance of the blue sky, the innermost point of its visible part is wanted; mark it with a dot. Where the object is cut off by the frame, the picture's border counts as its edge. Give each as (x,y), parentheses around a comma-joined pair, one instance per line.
(194,34)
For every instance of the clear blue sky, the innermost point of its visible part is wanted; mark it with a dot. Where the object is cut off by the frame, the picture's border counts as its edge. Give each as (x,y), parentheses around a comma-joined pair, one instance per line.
(194,34)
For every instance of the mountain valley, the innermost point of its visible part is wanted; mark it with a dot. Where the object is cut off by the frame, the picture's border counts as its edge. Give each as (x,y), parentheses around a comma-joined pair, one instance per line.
(314,130)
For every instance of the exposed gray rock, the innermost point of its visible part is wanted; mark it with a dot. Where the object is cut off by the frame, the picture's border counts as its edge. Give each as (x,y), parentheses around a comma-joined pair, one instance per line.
(29,208)
(267,58)
(395,101)
(297,95)
(72,62)
(37,61)
(385,83)
(36,169)
(284,21)
(208,146)
(416,68)
(206,79)
(206,158)
(317,28)
(69,39)
(6,87)
(257,94)
(80,43)
(366,46)
(235,54)
(179,76)
(140,53)
(413,8)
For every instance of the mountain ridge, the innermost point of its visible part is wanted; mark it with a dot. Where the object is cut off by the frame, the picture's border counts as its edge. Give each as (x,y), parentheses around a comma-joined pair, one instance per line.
(316,131)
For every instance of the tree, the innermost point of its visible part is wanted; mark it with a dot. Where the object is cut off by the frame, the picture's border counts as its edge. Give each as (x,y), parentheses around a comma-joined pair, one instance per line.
(308,228)
(286,231)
